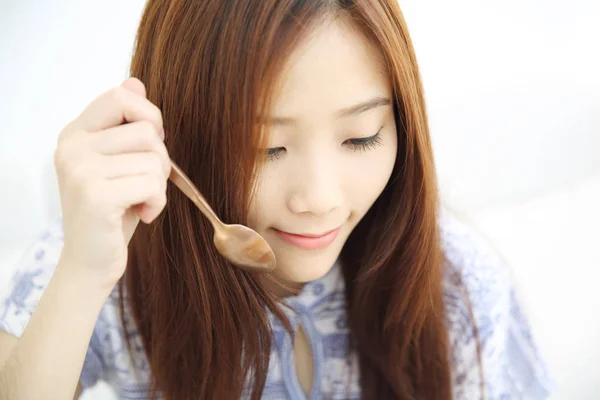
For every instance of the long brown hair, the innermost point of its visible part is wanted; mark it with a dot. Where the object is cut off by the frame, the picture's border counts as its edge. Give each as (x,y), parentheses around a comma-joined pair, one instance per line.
(209,66)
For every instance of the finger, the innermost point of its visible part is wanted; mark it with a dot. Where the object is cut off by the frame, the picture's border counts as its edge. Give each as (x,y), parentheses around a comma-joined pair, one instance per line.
(138,137)
(116,107)
(122,165)
(129,138)
(145,213)
(135,85)
(131,191)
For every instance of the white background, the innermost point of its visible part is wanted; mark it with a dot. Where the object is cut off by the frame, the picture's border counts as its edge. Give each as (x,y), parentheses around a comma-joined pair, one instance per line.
(513,90)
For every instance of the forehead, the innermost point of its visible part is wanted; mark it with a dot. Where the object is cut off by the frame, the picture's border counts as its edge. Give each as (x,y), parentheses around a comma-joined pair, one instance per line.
(332,68)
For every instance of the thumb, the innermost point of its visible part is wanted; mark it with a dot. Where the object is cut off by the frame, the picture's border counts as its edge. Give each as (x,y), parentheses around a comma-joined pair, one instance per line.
(135,85)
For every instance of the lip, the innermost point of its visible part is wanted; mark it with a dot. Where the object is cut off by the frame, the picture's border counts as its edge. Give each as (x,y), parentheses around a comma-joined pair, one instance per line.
(307,241)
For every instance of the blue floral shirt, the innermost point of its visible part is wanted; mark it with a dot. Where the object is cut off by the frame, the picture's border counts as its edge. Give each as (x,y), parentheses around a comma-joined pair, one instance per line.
(512,366)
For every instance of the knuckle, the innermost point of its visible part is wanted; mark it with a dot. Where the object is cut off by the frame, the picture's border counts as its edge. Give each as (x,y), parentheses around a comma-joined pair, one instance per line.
(142,142)
(163,154)
(118,96)
(147,127)
(157,165)
(148,134)
(157,115)
(159,148)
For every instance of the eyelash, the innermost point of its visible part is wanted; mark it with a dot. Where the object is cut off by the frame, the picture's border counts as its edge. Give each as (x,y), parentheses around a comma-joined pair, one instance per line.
(274,153)
(368,143)
(361,144)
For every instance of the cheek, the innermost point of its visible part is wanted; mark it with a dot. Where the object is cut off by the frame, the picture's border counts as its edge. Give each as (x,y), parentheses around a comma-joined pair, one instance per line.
(368,177)
(263,202)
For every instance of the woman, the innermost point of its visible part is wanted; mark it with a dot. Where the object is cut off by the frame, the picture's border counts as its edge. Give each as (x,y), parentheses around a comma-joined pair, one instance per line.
(305,120)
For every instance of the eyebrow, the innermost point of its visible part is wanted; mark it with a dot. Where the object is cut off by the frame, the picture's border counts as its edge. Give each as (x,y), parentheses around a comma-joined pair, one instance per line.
(364,106)
(354,110)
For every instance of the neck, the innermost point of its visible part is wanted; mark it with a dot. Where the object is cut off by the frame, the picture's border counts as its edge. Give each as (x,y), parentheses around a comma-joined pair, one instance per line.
(282,288)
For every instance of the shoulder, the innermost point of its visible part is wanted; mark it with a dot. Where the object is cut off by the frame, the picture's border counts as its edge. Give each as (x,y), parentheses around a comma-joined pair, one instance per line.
(490,336)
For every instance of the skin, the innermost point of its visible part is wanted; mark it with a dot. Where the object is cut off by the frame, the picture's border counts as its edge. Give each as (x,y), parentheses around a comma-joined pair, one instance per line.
(316,180)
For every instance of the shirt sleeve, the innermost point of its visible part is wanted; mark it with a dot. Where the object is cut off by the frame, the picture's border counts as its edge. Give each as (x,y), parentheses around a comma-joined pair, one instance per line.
(31,278)
(490,334)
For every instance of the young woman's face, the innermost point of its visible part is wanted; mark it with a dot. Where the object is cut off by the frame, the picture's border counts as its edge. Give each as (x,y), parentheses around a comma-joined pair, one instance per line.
(331,151)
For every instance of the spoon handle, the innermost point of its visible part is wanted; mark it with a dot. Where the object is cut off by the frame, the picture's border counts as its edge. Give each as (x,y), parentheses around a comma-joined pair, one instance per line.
(180,179)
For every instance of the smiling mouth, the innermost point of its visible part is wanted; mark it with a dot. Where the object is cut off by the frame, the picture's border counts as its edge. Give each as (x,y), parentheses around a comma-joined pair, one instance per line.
(309,241)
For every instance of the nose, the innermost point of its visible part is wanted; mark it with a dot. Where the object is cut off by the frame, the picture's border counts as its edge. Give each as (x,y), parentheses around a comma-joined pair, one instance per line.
(316,188)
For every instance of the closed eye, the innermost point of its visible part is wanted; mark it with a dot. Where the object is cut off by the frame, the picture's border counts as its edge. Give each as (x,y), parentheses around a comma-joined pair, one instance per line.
(355,144)
(366,143)
(274,153)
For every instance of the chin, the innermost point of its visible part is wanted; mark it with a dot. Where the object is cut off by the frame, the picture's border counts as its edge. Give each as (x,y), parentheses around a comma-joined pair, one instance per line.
(304,271)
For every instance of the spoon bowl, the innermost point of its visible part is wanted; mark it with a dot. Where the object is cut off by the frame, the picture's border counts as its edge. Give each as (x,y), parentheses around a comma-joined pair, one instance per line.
(244,248)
